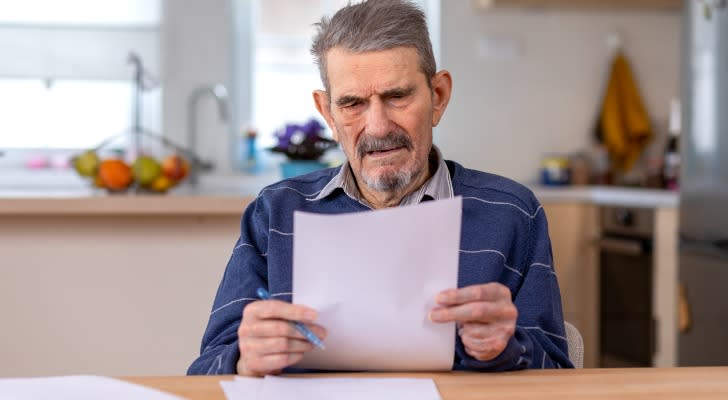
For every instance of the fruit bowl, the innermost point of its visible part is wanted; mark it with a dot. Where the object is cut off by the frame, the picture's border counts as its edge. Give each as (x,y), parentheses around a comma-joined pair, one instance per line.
(145,173)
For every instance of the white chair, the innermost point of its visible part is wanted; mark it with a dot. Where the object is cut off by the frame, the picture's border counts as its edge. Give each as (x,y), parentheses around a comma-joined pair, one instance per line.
(576,345)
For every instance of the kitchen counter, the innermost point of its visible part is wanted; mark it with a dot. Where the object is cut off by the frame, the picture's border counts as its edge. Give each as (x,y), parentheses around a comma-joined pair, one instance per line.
(230,196)
(79,204)
(146,256)
(68,195)
(608,195)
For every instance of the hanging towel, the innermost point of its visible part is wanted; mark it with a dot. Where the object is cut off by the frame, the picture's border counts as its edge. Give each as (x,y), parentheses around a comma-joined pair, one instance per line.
(624,126)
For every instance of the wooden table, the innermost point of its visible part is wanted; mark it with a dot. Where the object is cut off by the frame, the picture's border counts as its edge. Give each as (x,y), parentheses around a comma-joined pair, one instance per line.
(634,383)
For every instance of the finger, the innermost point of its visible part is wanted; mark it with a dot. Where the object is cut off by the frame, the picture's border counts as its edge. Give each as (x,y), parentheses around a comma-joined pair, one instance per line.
(479,344)
(276,309)
(317,330)
(271,363)
(492,291)
(482,355)
(477,329)
(276,328)
(258,347)
(503,328)
(481,311)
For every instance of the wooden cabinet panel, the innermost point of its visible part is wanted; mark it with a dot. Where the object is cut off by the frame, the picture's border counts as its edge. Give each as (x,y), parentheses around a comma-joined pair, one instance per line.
(573,228)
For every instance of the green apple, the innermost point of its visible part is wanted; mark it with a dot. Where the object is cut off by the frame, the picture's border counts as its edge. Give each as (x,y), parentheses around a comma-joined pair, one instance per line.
(86,163)
(146,169)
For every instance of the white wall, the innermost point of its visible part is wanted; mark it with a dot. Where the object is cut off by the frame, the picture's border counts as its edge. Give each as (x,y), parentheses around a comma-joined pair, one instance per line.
(197,45)
(508,110)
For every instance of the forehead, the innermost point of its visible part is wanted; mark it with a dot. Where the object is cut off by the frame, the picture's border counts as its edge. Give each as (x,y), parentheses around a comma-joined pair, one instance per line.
(363,73)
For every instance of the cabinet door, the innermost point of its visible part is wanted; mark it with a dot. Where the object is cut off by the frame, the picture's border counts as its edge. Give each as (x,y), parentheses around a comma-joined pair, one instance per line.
(573,230)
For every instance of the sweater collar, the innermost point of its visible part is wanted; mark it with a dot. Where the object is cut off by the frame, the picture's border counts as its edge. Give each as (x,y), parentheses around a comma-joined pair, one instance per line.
(438,187)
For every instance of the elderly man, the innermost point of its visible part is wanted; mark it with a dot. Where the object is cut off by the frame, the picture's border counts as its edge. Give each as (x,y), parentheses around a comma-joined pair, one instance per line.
(382,98)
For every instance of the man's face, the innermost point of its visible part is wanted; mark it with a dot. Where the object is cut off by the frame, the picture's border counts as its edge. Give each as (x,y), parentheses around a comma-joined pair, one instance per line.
(382,112)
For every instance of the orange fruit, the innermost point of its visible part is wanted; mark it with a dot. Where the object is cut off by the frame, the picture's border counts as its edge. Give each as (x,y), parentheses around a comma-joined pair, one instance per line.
(115,174)
(161,184)
(175,167)
(98,182)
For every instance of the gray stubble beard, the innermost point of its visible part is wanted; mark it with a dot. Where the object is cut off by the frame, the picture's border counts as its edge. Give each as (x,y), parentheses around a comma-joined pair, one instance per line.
(391,182)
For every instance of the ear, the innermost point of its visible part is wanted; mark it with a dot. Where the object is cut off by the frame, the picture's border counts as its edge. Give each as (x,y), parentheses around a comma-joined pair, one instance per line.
(323,105)
(441,90)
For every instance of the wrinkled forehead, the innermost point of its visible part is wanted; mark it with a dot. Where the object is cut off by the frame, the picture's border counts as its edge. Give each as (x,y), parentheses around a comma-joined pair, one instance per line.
(348,70)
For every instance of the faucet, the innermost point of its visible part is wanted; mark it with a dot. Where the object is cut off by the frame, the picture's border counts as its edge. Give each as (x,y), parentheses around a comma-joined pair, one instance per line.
(220,94)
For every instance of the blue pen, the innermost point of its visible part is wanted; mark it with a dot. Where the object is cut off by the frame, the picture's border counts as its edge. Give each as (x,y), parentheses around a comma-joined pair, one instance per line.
(310,336)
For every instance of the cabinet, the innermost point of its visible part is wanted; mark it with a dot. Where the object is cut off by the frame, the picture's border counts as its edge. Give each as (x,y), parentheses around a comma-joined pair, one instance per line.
(672,5)
(108,294)
(573,228)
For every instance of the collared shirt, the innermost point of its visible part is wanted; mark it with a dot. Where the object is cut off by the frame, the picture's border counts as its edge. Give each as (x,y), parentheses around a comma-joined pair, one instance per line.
(438,187)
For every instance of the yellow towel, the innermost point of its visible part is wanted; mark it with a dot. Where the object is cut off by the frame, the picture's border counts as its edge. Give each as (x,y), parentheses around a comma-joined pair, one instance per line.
(624,124)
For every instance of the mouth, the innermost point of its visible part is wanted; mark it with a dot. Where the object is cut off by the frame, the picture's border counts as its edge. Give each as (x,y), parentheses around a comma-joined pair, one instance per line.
(384,152)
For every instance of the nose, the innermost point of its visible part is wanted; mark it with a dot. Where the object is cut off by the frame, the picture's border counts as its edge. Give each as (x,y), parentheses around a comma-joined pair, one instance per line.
(378,120)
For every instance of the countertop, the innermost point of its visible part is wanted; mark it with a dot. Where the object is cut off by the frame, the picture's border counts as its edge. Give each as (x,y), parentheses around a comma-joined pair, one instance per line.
(608,196)
(230,195)
(64,194)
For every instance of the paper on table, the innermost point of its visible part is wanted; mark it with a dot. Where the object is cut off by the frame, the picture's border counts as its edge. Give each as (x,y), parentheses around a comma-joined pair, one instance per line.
(242,388)
(277,388)
(373,278)
(77,387)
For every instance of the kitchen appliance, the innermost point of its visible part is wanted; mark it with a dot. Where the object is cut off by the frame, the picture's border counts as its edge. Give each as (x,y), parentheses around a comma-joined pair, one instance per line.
(704,184)
(627,327)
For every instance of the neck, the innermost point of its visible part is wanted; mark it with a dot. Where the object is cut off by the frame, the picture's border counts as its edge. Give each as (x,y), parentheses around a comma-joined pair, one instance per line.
(389,199)
(393,198)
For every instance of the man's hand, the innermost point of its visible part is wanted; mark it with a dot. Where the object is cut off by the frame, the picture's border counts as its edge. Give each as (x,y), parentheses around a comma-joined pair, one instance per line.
(268,341)
(485,316)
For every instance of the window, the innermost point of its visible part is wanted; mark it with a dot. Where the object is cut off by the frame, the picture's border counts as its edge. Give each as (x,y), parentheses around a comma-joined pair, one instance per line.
(65,78)
(282,72)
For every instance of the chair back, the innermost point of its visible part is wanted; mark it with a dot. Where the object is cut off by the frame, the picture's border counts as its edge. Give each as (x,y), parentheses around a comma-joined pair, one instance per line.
(576,345)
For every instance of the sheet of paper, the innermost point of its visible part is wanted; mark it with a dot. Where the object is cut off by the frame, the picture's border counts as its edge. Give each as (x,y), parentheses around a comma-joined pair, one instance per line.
(279,388)
(373,277)
(242,388)
(77,387)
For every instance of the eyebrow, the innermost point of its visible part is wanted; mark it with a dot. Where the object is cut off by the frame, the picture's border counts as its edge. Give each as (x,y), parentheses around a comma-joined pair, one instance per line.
(394,92)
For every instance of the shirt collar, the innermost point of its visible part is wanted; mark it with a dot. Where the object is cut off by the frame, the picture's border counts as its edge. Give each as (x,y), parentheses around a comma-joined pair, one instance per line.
(438,187)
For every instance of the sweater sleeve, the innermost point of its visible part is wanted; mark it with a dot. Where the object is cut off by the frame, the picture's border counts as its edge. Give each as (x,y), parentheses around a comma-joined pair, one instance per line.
(245,272)
(539,340)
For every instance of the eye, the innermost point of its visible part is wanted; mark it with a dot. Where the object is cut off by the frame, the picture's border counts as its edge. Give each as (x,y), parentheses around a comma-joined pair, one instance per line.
(352,106)
(398,99)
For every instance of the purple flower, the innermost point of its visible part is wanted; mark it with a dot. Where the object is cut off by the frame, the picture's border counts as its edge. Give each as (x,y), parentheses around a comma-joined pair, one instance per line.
(303,142)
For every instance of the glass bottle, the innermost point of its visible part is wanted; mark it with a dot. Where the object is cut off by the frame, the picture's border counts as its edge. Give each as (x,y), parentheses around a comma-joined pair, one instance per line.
(671,166)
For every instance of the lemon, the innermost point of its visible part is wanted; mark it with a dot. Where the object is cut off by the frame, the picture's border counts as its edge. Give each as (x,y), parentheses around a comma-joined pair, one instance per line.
(86,163)
(146,169)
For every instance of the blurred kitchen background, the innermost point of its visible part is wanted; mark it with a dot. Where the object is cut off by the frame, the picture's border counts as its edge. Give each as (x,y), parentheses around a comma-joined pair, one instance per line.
(215,80)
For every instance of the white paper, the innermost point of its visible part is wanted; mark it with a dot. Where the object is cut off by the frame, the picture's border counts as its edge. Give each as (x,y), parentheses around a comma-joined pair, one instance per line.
(77,387)
(373,277)
(281,388)
(278,388)
(242,388)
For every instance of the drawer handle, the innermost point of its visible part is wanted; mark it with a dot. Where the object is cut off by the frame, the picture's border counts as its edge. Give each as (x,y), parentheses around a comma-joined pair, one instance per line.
(621,246)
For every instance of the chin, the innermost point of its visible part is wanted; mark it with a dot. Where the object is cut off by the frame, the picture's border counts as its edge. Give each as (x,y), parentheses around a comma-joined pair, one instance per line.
(388,179)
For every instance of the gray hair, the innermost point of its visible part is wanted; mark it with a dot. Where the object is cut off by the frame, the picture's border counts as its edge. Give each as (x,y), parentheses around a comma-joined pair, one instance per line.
(374,25)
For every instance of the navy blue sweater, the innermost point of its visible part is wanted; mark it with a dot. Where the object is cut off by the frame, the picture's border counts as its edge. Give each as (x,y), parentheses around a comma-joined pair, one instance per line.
(504,238)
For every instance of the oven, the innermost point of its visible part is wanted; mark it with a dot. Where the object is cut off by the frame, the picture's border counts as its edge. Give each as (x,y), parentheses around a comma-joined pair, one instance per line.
(627,327)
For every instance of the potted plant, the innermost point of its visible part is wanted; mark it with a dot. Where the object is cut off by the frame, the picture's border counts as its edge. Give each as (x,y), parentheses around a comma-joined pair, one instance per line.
(303,146)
